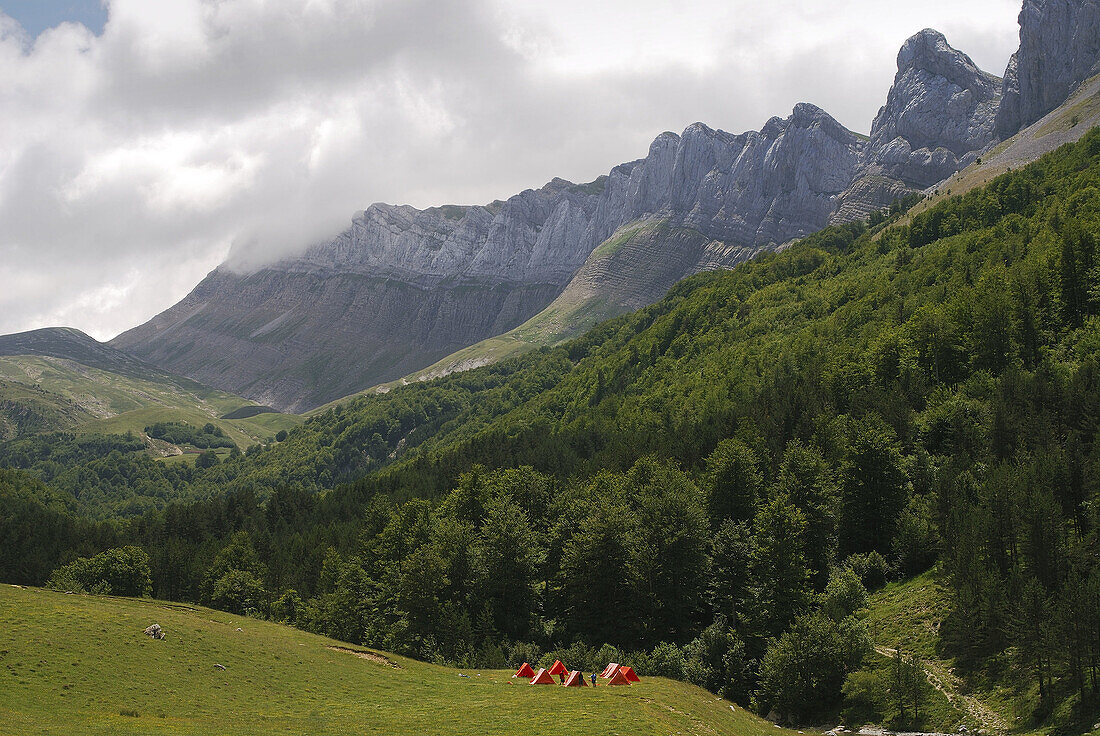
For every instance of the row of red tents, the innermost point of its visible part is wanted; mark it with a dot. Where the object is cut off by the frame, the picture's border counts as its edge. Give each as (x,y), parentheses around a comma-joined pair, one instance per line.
(614,673)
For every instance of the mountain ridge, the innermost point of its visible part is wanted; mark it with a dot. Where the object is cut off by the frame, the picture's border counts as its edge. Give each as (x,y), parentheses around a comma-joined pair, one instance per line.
(440,283)
(403,288)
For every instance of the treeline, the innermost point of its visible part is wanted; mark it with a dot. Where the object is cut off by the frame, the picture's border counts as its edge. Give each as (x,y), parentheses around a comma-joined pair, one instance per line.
(721,474)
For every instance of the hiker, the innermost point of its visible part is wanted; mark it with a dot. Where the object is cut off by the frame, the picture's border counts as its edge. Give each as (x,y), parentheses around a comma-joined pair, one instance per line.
(593,679)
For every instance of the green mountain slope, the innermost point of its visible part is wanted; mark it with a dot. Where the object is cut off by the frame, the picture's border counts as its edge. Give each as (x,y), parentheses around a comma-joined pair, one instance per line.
(81,665)
(27,408)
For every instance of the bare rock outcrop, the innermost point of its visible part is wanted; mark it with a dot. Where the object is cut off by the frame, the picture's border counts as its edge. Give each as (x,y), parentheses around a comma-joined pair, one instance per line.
(939,114)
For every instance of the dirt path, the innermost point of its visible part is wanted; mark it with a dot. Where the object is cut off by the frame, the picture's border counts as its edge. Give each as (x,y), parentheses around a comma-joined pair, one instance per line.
(367,654)
(940,676)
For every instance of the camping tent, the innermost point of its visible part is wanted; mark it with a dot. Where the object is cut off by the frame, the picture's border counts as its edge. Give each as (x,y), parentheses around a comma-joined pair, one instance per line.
(609,670)
(618,678)
(525,671)
(576,679)
(544,678)
(558,668)
(628,673)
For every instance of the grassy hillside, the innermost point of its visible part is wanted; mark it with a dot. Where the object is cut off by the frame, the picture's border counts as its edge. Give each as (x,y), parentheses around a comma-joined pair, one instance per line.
(27,408)
(77,397)
(81,665)
(1066,124)
(910,616)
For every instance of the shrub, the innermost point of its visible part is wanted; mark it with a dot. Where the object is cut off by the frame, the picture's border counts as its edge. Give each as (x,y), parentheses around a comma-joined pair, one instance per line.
(916,543)
(871,567)
(666,660)
(208,459)
(238,591)
(523,651)
(717,661)
(119,571)
(844,594)
(803,672)
(286,607)
(605,655)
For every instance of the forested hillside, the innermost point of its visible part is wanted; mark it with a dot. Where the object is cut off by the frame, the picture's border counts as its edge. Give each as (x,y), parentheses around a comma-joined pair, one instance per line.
(713,481)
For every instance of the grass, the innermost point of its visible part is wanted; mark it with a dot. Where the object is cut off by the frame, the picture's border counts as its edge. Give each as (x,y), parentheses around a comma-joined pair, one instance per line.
(908,615)
(81,665)
(999,695)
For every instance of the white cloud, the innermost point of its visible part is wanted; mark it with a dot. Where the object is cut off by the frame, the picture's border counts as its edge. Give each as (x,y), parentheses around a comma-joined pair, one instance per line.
(131,163)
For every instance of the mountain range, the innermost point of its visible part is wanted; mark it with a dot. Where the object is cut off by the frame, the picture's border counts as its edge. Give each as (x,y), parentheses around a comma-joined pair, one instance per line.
(402,288)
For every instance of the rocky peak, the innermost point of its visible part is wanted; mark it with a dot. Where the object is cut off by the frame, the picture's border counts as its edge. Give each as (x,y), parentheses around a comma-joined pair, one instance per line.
(940,100)
(1059,49)
(939,113)
(807,115)
(929,51)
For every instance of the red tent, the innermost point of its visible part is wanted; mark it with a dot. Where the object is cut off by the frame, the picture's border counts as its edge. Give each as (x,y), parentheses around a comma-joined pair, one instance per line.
(628,673)
(618,678)
(543,678)
(609,670)
(558,668)
(576,679)
(525,671)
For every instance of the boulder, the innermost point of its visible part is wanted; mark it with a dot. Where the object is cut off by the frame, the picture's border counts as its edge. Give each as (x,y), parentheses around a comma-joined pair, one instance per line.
(155,631)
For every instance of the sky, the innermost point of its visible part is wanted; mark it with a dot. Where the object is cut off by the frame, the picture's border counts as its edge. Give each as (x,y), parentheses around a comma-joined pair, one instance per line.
(144,142)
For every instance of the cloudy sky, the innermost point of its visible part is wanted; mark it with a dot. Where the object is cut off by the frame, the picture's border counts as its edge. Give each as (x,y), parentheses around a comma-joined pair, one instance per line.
(136,151)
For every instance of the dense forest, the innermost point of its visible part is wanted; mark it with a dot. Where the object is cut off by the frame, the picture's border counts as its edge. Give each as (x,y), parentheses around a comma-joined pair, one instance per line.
(712,483)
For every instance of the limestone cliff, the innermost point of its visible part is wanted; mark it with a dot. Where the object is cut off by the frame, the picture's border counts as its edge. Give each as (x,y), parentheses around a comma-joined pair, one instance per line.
(402,288)
(1059,49)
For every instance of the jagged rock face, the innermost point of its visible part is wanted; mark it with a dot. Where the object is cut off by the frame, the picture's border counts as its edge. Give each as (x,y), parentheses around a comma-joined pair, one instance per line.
(940,109)
(939,113)
(536,236)
(753,189)
(296,340)
(1059,49)
(402,288)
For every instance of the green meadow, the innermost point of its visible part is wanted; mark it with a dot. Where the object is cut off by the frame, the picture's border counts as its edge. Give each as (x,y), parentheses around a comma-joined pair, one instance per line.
(72,664)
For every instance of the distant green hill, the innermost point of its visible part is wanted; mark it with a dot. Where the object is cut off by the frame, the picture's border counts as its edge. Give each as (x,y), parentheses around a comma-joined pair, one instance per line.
(61,379)
(81,665)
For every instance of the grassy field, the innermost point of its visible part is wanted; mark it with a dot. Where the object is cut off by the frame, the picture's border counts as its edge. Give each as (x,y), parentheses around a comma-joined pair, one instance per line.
(81,665)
